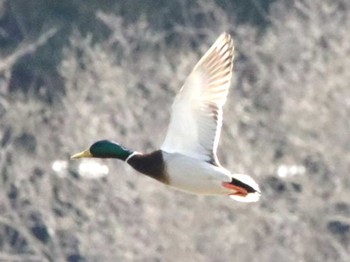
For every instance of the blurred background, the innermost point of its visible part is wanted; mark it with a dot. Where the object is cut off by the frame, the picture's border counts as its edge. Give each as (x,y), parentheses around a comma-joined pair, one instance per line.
(73,72)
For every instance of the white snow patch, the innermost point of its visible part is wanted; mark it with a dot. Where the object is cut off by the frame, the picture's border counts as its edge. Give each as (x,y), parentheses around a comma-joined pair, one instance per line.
(285,171)
(91,169)
(60,167)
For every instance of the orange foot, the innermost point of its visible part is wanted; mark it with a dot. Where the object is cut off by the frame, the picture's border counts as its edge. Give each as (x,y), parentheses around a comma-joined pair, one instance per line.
(238,190)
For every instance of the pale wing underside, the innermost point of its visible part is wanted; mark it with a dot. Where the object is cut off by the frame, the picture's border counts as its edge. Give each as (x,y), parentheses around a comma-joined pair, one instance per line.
(196,116)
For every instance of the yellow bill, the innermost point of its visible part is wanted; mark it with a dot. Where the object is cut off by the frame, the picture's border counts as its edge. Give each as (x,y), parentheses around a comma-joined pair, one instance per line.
(83,154)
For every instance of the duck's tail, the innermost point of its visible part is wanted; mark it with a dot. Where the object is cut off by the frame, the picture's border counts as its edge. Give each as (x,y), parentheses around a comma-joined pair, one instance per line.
(248,189)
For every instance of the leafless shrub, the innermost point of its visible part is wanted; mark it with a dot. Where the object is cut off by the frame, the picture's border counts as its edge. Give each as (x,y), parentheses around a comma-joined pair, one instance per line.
(289,106)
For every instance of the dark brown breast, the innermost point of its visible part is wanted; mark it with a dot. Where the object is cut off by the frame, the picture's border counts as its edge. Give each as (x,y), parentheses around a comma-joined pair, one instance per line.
(151,164)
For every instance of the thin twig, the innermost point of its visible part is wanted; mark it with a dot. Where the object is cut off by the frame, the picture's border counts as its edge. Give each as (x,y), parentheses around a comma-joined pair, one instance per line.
(24,49)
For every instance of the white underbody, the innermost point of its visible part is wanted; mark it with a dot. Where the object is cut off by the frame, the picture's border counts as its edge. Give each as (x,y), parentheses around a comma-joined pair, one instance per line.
(195,176)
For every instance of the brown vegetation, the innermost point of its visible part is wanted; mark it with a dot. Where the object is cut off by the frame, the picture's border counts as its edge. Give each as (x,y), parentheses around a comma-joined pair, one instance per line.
(289,106)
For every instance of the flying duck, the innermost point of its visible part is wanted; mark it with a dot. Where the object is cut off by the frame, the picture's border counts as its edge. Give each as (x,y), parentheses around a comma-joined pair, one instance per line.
(187,158)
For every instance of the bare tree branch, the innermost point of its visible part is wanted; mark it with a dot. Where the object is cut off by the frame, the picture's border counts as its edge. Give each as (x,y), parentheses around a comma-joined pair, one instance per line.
(24,49)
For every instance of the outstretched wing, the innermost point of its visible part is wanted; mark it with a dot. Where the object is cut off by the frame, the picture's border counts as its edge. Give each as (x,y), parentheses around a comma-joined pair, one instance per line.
(196,116)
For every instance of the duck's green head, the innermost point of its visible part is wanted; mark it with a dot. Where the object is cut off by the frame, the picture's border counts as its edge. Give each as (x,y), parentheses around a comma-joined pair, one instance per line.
(104,149)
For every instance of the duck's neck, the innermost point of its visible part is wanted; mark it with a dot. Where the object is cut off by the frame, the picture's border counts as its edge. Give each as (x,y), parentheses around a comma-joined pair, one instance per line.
(151,164)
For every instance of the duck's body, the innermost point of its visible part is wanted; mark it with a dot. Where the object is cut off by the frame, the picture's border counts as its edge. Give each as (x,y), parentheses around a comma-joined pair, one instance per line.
(187,159)
(195,176)
(192,175)
(181,172)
